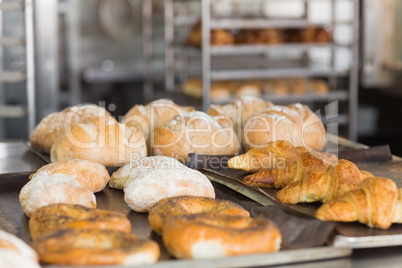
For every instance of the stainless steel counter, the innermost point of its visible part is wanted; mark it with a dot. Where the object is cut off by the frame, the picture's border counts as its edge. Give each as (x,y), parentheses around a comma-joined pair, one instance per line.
(16,157)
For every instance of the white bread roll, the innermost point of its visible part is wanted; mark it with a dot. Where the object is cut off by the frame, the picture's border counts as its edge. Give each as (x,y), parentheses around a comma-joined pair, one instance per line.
(11,259)
(240,109)
(54,124)
(145,191)
(155,114)
(56,188)
(89,174)
(102,140)
(294,123)
(194,132)
(145,165)
(14,244)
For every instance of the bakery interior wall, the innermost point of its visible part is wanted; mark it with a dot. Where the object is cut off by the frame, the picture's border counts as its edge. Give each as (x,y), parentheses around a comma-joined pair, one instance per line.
(87,57)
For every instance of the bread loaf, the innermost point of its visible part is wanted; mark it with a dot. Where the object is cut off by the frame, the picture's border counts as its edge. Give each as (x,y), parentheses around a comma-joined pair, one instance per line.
(194,132)
(294,123)
(155,114)
(90,175)
(146,190)
(57,188)
(102,140)
(50,127)
(11,243)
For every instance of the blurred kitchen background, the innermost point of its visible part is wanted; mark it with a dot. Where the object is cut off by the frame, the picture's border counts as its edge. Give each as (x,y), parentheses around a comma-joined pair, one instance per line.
(119,53)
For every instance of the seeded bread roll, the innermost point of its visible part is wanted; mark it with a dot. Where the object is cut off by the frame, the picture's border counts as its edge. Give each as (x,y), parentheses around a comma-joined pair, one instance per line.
(194,132)
(54,124)
(102,140)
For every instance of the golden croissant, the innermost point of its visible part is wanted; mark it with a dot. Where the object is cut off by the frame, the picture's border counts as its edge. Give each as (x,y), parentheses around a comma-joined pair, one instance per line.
(323,185)
(275,153)
(290,171)
(377,202)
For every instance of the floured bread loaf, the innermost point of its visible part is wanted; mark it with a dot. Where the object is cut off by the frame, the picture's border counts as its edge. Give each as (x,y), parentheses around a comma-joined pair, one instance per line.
(194,132)
(89,174)
(10,242)
(294,123)
(145,165)
(50,127)
(57,188)
(155,114)
(146,190)
(102,140)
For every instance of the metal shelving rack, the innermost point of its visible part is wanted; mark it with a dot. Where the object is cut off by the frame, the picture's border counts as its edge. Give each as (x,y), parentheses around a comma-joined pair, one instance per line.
(27,75)
(216,72)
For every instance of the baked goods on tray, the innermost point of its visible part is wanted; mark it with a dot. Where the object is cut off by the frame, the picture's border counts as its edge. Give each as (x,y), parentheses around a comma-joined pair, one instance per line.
(55,217)
(377,202)
(89,174)
(194,132)
(54,124)
(102,140)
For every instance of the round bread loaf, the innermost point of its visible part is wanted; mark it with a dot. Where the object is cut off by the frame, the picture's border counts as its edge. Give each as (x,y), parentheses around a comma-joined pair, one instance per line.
(55,217)
(294,123)
(12,259)
(155,114)
(188,205)
(95,247)
(194,132)
(102,140)
(9,242)
(145,165)
(146,190)
(89,174)
(213,236)
(56,188)
(54,124)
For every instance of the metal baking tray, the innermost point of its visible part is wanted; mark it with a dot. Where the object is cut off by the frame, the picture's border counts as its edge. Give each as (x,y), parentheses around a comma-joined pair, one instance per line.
(13,219)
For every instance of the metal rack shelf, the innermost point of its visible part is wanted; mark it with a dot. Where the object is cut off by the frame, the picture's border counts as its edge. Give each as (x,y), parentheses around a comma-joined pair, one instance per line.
(12,41)
(13,111)
(12,77)
(7,6)
(229,23)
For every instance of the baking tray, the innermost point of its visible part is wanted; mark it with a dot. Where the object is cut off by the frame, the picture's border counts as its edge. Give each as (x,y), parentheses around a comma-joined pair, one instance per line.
(13,220)
(352,235)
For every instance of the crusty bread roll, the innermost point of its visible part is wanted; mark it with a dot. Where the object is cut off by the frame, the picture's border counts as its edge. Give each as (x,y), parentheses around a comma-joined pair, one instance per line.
(50,127)
(193,87)
(240,109)
(102,140)
(146,190)
(155,114)
(57,188)
(294,123)
(251,88)
(275,87)
(220,91)
(319,86)
(89,174)
(145,165)
(12,259)
(10,242)
(194,132)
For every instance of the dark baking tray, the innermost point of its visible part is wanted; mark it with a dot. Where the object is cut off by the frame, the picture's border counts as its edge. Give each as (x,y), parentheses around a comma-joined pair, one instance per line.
(13,220)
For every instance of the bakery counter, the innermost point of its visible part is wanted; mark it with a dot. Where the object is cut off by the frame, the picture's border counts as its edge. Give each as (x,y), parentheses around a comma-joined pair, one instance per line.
(16,157)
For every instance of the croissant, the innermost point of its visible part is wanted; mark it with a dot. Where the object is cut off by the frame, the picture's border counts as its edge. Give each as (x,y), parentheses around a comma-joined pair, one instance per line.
(323,185)
(376,203)
(257,159)
(290,172)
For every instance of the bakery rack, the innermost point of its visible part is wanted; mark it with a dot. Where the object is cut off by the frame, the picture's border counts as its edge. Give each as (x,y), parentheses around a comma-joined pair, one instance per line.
(19,111)
(178,65)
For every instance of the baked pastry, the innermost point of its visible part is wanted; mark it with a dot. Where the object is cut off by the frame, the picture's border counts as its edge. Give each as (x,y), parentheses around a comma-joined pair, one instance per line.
(264,36)
(95,247)
(54,124)
(218,36)
(259,159)
(323,185)
(167,208)
(55,217)
(275,87)
(9,243)
(294,123)
(194,132)
(89,174)
(377,202)
(221,92)
(319,86)
(145,165)
(212,236)
(193,87)
(251,88)
(288,172)
(56,188)
(155,114)
(102,140)
(12,259)
(142,193)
